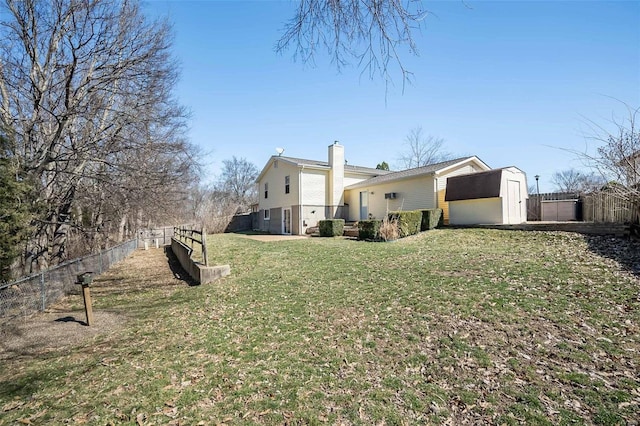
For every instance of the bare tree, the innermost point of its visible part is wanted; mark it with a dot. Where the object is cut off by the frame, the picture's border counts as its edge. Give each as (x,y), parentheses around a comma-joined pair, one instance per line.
(572,180)
(617,157)
(422,150)
(212,207)
(618,153)
(86,85)
(238,182)
(369,32)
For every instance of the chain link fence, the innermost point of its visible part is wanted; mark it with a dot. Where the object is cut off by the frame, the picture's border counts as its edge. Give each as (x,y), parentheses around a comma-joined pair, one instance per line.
(34,293)
(155,237)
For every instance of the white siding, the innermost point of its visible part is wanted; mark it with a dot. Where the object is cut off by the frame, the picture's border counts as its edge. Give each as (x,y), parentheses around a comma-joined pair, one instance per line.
(475,212)
(314,185)
(275,178)
(466,169)
(353,179)
(412,194)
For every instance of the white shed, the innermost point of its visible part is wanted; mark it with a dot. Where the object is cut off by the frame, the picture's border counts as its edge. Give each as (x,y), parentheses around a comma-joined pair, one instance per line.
(496,196)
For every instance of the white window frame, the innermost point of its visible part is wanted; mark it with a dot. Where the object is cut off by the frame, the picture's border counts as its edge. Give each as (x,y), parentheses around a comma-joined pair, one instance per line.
(267,214)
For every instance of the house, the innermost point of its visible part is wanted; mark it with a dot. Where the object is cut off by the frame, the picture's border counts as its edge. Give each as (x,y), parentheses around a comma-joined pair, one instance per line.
(496,196)
(294,193)
(411,189)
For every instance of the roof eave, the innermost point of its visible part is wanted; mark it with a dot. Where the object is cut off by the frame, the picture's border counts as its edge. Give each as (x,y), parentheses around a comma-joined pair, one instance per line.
(398,179)
(289,161)
(464,160)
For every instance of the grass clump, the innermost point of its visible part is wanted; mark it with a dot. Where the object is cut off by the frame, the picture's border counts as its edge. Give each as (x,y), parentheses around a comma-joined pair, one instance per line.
(389,229)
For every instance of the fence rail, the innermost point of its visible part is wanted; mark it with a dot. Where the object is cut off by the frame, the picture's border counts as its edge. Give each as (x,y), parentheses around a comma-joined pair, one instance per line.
(36,292)
(193,237)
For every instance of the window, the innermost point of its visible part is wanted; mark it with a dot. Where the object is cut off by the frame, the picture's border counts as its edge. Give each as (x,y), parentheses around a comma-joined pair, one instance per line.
(266,190)
(286,184)
(267,216)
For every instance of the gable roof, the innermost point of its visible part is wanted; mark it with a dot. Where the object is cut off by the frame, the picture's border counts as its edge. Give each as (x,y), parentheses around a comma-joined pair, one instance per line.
(430,169)
(301,162)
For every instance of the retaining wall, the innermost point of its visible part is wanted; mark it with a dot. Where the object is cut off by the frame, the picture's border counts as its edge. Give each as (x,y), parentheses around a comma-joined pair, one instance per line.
(200,273)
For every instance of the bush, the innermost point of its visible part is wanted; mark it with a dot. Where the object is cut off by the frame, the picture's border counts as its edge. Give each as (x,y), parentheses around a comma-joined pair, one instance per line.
(431,218)
(331,227)
(408,222)
(369,229)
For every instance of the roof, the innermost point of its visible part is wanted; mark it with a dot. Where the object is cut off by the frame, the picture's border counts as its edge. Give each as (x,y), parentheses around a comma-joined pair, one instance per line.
(430,169)
(301,162)
(476,185)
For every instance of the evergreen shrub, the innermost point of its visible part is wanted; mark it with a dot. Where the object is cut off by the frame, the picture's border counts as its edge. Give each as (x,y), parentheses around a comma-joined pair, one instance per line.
(369,229)
(331,227)
(408,221)
(431,218)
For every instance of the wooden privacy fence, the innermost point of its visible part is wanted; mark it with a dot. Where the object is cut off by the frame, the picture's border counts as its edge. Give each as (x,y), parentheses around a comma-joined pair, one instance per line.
(608,207)
(599,207)
(536,205)
(193,237)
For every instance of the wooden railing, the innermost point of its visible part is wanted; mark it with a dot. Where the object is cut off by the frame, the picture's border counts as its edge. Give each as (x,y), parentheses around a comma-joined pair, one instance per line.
(193,237)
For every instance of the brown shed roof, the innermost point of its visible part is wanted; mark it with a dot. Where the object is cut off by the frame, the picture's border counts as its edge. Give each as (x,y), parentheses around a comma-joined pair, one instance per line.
(474,185)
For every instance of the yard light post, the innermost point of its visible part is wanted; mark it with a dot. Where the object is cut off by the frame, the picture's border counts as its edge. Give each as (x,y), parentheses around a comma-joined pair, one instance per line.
(537,184)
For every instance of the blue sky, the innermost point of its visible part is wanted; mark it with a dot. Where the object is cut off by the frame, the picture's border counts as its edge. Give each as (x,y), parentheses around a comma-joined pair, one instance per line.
(513,82)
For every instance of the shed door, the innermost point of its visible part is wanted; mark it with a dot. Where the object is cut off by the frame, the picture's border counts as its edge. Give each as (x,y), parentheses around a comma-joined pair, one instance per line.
(513,202)
(364,205)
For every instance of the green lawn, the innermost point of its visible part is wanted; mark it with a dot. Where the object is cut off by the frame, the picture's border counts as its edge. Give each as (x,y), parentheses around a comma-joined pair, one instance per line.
(458,326)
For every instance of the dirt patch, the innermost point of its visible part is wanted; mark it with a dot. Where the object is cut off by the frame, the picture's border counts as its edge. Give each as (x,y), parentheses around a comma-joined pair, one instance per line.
(63,325)
(52,331)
